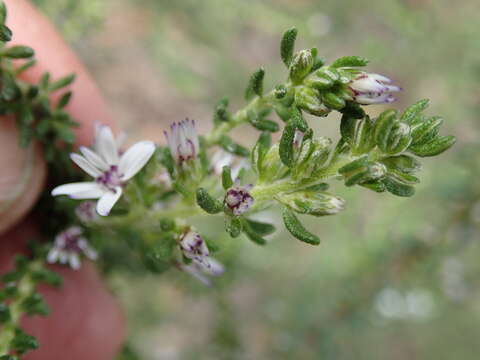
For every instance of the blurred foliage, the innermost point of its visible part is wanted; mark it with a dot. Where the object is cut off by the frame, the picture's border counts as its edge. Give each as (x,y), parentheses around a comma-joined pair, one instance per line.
(394,280)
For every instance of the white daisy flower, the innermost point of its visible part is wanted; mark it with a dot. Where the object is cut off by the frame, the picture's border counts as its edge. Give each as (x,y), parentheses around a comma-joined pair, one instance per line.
(183,141)
(68,247)
(109,169)
(372,89)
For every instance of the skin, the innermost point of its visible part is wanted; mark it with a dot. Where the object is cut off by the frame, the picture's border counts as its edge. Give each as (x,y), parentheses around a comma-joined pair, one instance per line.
(85,322)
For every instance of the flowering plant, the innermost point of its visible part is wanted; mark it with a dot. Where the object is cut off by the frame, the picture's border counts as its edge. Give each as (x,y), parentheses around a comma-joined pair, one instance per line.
(148,194)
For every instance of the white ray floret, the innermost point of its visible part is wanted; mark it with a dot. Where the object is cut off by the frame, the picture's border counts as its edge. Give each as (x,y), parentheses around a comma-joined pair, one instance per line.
(110,169)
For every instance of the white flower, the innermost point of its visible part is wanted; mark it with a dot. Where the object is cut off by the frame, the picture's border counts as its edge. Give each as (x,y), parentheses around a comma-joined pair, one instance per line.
(238,198)
(372,89)
(183,141)
(68,247)
(195,248)
(109,169)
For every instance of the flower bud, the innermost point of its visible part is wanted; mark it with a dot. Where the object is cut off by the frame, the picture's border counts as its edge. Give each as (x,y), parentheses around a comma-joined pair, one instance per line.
(308,99)
(372,89)
(301,65)
(312,203)
(238,199)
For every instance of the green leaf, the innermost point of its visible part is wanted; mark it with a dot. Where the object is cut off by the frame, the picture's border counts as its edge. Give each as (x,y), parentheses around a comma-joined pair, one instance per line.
(221,113)
(262,124)
(397,188)
(5,315)
(18,52)
(207,202)
(301,65)
(333,101)
(233,226)
(227,181)
(64,100)
(404,163)
(35,305)
(287,45)
(262,229)
(23,342)
(412,111)
(255,84)
(228,145)
(286,144)
(425,131)
(3,12)
(434,147)
(252,234)
(5,33)
(350,61)
(65,81)
(383,127)
(295,227)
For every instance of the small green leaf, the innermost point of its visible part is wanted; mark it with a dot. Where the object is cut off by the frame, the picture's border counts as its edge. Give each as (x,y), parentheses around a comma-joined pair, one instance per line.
(3,12)
(207,202)
(23,342)
(5,315)
(287,45)
(412,111)
(301,65)
(425,131)
(255,84)
(228,145)
(64,100)
(227,181)
(18,52)
(350,61)
(5,33)
(397,188)
(434,147)
(404,163)
(263,229)
(333,101)
(295,227)
(286,144)
(383,127)
(262,124)
(252,234)
(35,305)
(65,81)
(221,113)
(233,226)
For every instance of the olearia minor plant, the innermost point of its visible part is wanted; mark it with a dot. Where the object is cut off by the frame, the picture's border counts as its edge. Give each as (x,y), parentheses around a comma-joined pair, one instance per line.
(147,194)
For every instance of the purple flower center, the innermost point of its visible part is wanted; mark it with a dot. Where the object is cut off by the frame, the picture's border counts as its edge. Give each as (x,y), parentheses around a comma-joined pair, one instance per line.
(70,242)
(110,178)
(239,200)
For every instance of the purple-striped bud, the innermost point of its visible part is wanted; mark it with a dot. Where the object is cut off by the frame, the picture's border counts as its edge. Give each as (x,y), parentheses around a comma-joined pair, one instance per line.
(183,141)
(238,199)
(372,89)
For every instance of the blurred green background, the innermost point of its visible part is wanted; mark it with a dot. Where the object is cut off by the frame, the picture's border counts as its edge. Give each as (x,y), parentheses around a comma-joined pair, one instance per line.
(393,278)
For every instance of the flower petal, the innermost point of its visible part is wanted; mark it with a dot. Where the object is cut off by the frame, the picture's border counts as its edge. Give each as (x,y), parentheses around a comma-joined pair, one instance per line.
(75,188)
(94,158)
(74,261)
(107,146)
(135,158)
(85,165)
(53,255)
(106,202)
